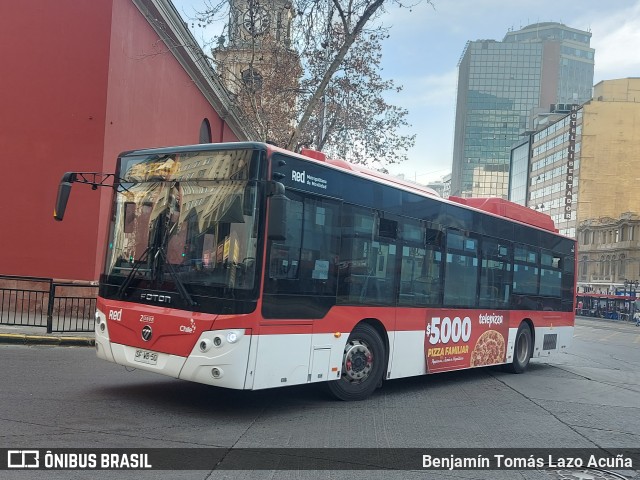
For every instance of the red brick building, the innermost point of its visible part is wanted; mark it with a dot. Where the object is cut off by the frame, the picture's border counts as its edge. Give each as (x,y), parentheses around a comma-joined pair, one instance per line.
(82,81)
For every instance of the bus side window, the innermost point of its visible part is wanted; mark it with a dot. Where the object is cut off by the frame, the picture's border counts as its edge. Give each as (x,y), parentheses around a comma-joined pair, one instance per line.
(365,258)
(526,274)
(553,281)
(420,265)
(495,274)
(433,266)
(550,274)
(284,256)
(461,270)
(320,246)
(304,264)
(353,268)
(525,270)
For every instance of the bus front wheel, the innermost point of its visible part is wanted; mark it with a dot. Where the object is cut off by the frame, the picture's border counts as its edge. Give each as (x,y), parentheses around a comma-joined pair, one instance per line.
(362,365)
(522,349)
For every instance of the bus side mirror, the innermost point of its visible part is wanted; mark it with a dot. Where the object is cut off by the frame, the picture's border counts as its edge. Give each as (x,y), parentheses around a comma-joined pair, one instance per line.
(64,190)
(277,212)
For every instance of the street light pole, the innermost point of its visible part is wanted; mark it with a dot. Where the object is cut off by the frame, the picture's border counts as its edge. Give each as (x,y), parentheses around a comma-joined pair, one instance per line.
(633,288)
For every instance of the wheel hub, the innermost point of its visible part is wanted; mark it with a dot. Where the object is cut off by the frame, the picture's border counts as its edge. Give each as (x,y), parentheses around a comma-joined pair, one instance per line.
(358,361)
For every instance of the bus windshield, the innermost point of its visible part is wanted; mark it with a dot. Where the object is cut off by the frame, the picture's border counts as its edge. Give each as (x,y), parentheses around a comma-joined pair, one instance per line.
(185,224)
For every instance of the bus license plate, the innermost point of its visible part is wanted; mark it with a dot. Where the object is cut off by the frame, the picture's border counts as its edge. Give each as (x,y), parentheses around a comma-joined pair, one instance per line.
(145,356)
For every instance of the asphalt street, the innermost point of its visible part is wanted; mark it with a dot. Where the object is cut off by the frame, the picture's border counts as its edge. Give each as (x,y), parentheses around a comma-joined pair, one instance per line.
(64,397)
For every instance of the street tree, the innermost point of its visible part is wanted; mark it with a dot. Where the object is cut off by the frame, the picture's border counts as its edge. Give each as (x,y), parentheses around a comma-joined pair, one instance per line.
(353,120)
(307,74)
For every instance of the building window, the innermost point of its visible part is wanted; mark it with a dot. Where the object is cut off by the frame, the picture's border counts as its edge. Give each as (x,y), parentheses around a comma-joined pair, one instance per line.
(205,131)
(583,266)
(613,263)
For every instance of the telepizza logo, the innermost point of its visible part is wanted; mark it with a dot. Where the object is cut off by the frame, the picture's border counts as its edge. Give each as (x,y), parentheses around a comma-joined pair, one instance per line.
(491,319)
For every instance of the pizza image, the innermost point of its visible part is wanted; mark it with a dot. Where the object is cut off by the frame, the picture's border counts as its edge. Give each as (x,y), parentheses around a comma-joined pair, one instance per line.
(489,350)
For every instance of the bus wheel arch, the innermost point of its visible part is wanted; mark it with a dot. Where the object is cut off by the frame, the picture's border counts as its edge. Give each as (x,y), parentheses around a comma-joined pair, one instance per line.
(382,331)
(523,347)
(364,362)
(529,322)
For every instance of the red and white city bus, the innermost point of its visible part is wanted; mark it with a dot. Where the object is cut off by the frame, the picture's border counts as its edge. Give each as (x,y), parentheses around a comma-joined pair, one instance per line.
(245,266)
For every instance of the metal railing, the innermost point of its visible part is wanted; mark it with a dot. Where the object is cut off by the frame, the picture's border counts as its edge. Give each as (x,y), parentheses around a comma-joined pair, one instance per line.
(43,302)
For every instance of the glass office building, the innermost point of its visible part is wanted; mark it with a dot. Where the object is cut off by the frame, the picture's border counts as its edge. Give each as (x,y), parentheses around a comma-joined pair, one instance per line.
(500,84)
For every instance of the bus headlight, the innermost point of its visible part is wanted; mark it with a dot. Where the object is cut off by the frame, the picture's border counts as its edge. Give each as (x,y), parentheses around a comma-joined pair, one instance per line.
(232,337)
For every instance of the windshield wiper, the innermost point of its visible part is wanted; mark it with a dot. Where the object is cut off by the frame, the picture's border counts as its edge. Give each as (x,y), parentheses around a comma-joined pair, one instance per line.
(134,269)
(179,283)
(182,290)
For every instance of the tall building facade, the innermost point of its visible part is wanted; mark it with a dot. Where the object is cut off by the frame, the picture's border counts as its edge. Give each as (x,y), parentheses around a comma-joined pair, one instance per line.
(554,172)
(500,84)
(580,168)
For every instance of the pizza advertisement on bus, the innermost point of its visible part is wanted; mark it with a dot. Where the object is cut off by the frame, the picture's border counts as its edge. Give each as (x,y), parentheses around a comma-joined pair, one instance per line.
(455,340)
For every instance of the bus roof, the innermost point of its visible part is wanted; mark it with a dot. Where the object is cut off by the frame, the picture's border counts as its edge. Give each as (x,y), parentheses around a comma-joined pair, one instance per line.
(344,165)
(514,211)
(497,206)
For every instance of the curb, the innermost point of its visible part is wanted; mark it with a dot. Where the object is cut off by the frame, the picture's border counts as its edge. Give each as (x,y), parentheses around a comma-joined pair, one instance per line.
(608,320)
(22,339)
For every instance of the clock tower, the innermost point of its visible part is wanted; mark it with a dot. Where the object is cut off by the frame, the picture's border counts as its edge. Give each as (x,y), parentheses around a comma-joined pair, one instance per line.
(259,37)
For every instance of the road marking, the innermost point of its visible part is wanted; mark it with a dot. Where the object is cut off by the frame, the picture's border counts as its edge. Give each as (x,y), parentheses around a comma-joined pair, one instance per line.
(613,334)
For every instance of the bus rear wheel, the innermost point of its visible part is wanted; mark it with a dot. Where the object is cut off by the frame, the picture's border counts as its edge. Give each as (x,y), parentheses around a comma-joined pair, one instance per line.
(363,365)
(522,349)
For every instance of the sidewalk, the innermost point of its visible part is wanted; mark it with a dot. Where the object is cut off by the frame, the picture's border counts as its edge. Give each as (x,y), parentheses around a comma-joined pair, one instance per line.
(27,335)
(608,320)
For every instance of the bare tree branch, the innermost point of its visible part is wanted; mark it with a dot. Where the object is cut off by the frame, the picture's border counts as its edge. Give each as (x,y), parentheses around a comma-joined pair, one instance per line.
(313,79)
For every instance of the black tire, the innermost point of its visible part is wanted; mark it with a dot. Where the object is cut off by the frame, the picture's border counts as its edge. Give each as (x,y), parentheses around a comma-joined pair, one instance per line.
(363,365)
(521,350)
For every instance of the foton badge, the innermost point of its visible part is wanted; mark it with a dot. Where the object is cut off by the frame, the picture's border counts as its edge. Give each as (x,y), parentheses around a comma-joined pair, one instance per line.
(147,333)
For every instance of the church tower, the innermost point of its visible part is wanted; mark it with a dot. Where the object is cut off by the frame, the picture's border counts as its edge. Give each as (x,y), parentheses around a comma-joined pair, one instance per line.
(259,41)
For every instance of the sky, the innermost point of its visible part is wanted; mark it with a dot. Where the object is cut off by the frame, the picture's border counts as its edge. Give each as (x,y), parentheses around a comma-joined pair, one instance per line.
(427,40)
